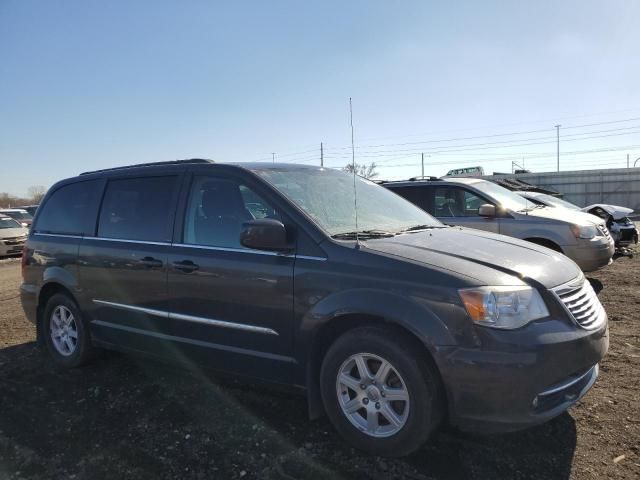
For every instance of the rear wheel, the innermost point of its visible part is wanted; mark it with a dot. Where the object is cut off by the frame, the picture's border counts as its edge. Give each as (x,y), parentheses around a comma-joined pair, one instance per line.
(66,337)
(380,392)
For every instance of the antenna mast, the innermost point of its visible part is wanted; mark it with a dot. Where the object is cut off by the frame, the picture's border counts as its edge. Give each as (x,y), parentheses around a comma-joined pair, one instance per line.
(353,167)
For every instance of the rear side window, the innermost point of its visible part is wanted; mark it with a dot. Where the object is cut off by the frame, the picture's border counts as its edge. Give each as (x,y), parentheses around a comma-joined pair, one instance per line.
(71,209)
(139,209)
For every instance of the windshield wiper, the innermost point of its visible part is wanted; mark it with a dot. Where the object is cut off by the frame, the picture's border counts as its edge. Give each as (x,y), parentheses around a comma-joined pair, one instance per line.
(363,234)
(532,207)
(416,228)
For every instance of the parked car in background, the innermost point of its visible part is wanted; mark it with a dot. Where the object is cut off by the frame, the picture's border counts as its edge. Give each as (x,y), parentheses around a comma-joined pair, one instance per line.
(31,209)
(19,215)
(392,324)
(466,172)
(477,203)
(12,236)
(622,229)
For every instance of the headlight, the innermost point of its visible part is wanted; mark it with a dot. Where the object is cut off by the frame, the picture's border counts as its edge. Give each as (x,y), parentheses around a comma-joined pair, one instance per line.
(503,307)
(584,231)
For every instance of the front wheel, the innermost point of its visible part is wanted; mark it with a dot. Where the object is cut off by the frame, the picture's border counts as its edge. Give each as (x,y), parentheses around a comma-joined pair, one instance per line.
(380,392)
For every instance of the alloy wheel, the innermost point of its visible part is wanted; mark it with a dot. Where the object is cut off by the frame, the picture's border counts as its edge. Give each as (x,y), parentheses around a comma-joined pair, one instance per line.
(63,330)
(372,395)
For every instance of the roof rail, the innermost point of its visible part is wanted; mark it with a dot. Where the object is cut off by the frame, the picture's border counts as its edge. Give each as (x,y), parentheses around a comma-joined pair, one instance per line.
(152,164)
(427,177)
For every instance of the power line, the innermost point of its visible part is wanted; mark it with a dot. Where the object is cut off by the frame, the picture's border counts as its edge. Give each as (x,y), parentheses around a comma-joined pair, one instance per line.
(541,155)
(513,124)
(447,148)
(490,136)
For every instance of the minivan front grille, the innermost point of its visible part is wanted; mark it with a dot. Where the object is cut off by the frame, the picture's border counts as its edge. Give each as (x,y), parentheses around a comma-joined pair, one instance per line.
(581,302)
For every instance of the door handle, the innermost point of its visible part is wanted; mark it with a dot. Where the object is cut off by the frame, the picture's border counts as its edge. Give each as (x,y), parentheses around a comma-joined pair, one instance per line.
(150,262)
(186,266)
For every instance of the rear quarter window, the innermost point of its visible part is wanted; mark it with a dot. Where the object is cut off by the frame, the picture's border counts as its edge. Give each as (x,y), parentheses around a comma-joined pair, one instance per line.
(70,209)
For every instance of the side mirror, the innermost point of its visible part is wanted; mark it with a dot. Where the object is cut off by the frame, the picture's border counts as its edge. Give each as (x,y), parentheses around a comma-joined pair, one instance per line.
(487,210)
(264,234)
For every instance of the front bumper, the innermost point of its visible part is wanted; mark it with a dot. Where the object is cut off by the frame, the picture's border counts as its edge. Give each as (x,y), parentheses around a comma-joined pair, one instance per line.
(517,379)
(590,255)
(14,248)
(625,236)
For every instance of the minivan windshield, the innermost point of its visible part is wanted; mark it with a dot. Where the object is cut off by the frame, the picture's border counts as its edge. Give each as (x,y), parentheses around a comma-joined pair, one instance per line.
(504,197)
(9,223)
(326,195)
(556,202)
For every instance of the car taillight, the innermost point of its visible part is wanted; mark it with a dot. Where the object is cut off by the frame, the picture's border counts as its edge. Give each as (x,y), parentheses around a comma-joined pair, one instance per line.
(23,260)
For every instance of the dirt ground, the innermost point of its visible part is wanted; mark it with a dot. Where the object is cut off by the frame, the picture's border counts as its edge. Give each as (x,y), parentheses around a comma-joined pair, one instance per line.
(125,417)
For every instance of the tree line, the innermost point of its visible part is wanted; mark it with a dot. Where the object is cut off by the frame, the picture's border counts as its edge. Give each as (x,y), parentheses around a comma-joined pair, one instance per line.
(34,197)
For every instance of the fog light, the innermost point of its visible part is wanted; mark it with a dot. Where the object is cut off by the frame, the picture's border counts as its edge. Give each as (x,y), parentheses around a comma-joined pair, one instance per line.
(535,402)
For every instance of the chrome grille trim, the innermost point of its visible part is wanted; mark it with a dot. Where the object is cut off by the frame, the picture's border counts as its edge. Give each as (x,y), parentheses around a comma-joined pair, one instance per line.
(581,303)
(14,240)
(568,383)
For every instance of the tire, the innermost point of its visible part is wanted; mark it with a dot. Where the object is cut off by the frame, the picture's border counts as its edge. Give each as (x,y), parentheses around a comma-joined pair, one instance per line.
(409,371)
(70,344)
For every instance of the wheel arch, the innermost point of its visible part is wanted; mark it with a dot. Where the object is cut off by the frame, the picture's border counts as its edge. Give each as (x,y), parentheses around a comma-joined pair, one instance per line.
(545,242)
(417,325)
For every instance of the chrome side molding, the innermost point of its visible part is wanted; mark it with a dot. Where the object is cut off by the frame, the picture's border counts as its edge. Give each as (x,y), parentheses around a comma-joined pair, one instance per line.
(189,318)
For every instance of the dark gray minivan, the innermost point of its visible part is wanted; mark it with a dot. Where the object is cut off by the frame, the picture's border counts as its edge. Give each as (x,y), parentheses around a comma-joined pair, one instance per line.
(391,322)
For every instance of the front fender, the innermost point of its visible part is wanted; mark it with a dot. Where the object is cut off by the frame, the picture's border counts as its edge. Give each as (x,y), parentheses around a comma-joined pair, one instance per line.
(558,239)
(418,316)
(422,317)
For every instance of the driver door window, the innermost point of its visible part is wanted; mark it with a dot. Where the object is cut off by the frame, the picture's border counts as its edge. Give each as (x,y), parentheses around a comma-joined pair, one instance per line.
(472,203)
(217,209)
(447,202)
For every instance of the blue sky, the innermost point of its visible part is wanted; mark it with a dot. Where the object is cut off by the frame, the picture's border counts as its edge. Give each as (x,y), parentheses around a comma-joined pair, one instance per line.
(93,84)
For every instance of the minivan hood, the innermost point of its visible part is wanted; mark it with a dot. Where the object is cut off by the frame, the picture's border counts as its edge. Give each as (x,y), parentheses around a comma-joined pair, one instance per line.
(13,232)
(489,258)
(564,215)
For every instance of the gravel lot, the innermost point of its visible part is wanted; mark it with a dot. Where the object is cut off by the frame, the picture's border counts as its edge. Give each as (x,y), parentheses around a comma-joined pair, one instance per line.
(126,417)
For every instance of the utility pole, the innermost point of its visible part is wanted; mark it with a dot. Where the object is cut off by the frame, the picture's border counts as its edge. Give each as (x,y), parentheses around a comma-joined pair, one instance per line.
(321,155)
(627,160)
(273,157)
(422,164)
(558,143)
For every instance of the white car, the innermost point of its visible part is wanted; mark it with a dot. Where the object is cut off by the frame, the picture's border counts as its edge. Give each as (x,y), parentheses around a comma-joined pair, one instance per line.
(12,236)
(622,229)
(20,215)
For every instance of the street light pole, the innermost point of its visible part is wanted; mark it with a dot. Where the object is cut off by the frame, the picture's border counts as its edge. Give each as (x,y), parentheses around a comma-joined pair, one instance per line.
(634,163)
(558,144)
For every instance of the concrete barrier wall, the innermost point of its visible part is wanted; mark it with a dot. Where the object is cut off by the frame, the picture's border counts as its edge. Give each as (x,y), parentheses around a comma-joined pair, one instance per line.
(615,186)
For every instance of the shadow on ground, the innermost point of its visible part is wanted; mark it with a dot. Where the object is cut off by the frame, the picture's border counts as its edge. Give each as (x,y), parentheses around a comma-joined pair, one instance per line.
(126,417)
